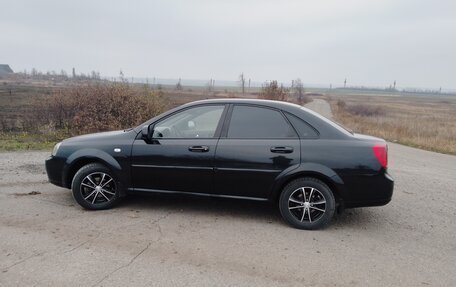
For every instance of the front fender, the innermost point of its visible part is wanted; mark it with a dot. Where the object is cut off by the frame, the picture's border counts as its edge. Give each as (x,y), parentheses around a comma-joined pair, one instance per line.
(309,169)
(91,154)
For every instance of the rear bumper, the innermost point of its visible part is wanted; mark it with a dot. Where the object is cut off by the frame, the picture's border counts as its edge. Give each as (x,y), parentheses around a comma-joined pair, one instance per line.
(54,170)
(378,193)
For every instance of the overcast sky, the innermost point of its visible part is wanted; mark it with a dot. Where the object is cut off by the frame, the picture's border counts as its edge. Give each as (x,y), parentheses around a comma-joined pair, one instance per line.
(368,42)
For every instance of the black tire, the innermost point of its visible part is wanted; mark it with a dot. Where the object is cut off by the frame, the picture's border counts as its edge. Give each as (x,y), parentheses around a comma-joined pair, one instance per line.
(95,187)
(296,212)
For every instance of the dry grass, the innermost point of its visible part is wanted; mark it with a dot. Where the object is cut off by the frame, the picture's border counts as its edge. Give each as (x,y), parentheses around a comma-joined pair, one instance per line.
(424,122)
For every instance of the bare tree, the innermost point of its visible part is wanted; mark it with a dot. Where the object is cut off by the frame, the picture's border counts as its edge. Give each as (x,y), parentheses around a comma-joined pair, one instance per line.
(63,75)
(210,85)
(298,88)
(242,82)
(95,75)
(298,91)
(179,85)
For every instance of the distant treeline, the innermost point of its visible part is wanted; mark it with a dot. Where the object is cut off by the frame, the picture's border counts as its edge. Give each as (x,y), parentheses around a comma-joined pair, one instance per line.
(396,90)
(62,75)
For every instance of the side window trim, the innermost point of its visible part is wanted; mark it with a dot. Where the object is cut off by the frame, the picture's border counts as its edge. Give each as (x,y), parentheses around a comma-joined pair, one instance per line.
(219,124)
(226,124)
(230,114)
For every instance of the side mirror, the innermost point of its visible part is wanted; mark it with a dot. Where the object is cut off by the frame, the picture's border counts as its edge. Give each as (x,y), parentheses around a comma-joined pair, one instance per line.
(145,132)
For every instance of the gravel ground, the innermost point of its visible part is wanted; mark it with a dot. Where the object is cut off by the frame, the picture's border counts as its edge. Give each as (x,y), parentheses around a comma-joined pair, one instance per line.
(48,240)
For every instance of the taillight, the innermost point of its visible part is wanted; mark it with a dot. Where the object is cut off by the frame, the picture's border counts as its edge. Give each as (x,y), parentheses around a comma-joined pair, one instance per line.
(381,153)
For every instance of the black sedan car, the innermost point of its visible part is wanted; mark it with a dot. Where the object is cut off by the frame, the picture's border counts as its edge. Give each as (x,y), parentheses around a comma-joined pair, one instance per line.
(236,148)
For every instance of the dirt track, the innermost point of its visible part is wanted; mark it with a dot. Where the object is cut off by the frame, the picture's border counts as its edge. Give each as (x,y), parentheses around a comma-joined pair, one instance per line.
(48,240)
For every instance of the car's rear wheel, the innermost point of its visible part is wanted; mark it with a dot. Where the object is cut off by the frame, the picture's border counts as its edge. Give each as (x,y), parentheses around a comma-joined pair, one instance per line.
(95,187)
(307,203)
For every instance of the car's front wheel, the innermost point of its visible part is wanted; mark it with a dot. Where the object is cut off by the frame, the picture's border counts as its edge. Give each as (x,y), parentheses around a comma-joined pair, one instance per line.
(307,203)
(95,187)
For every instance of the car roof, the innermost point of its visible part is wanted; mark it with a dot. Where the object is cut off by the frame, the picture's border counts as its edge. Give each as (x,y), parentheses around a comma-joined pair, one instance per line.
(270,103)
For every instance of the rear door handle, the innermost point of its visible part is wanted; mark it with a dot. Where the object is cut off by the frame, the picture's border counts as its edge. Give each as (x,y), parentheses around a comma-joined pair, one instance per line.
(281,149)
(198,148)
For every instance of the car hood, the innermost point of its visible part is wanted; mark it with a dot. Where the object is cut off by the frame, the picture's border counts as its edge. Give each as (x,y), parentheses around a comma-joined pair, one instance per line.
(98,136)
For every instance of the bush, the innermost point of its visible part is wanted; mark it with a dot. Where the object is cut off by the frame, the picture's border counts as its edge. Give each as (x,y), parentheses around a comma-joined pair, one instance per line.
(341,104)
(272,91)
(97,107)
(364,110)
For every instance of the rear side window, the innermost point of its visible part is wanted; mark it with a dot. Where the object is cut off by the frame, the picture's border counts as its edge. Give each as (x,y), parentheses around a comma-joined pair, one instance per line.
(255,122)
(303,128)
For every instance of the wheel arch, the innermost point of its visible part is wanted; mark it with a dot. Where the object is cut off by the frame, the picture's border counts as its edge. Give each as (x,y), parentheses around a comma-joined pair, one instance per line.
(320,172)
(86,156)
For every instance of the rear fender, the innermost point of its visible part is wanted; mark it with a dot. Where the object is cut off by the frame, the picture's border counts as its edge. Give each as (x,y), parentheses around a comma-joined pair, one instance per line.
(316,170)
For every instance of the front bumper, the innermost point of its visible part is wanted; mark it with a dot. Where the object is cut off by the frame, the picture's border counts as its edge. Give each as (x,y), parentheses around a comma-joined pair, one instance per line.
(54,170)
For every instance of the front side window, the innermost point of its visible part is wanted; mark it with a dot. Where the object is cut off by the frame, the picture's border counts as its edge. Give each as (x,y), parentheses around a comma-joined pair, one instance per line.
(256,123)
(198,122)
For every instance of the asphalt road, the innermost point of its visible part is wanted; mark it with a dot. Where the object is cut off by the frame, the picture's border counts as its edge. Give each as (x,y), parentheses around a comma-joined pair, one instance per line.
(46,239)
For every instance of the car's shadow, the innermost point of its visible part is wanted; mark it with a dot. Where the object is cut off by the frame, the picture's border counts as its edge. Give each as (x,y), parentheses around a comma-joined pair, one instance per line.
(195,205)
(362,218)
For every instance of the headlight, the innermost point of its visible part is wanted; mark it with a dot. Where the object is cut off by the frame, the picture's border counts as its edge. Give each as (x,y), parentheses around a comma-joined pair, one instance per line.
(56,148)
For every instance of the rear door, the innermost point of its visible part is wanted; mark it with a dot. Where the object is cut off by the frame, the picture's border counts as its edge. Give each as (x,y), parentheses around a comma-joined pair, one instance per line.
(257,144)
(180,156)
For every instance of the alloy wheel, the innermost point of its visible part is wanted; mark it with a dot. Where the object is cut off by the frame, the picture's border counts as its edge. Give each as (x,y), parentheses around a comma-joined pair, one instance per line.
(307,204)
(98,187)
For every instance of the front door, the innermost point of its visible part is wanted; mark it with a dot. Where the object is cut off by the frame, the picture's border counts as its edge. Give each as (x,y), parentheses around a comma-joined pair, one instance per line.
(180,156)
(258,145)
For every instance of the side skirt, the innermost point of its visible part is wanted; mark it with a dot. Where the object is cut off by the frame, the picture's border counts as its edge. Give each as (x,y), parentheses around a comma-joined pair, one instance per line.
(132,190)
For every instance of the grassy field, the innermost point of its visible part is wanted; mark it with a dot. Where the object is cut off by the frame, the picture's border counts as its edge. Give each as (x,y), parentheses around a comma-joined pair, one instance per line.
(426,122)
(423,121)
(10,141)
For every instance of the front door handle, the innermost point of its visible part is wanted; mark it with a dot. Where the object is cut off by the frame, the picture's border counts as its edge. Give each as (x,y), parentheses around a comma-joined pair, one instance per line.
(281,149)
(198,148)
